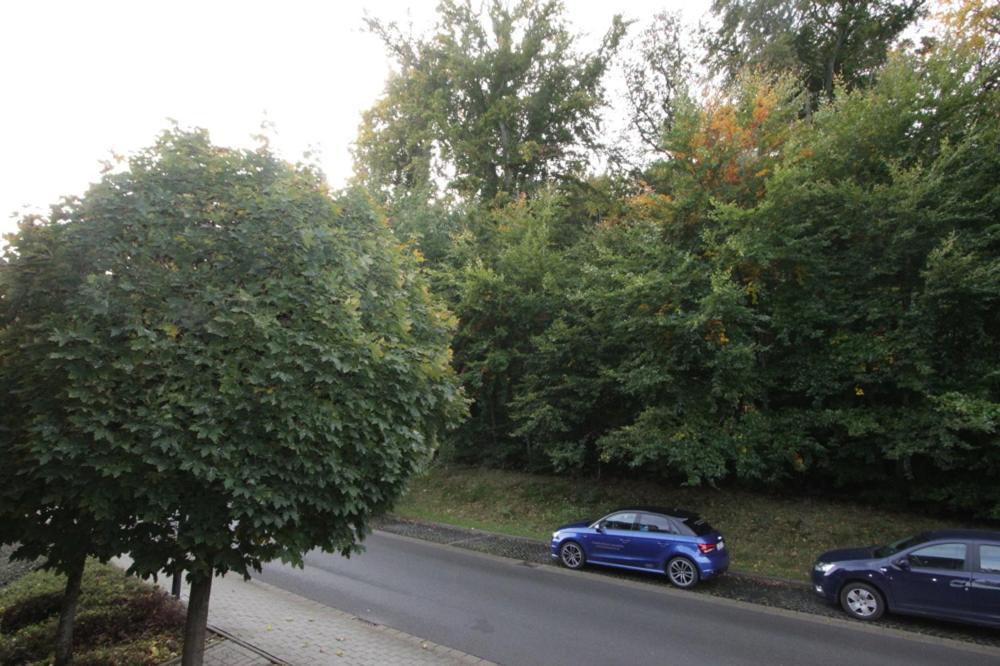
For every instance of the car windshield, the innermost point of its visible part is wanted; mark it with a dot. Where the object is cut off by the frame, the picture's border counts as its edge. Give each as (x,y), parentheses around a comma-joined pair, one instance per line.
(902,544)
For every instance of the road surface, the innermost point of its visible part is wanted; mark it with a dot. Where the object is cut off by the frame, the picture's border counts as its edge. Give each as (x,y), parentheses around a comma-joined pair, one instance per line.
(515,614)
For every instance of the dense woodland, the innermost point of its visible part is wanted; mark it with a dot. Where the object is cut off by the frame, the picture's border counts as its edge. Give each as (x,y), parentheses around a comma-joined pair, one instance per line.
(784,273)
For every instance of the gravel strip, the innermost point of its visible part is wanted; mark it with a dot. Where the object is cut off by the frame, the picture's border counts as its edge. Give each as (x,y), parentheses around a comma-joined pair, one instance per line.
(752,588)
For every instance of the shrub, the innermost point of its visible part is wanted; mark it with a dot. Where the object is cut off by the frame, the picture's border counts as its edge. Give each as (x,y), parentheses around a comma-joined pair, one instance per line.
(121,620)
(30,611)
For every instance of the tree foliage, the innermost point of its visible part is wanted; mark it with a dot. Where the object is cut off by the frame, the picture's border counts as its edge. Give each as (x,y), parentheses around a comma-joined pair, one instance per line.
(973,27)
(782,299)
(216,362)
(656,66)
(824,41)
(491,103)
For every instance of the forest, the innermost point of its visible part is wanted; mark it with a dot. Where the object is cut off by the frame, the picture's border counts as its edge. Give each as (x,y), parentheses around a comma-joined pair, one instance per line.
(780,270)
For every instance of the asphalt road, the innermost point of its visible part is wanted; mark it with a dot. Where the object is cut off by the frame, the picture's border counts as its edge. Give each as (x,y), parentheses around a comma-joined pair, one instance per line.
(514,614)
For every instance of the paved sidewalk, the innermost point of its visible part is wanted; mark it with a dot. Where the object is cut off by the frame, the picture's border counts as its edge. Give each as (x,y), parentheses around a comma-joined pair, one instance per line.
(267,625)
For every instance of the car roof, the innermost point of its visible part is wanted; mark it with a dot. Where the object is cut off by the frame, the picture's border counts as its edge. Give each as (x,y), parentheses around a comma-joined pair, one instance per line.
(673,512)
(973,535)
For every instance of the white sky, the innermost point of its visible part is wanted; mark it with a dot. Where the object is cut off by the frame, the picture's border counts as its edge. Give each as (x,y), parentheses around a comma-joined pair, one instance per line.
(82,78)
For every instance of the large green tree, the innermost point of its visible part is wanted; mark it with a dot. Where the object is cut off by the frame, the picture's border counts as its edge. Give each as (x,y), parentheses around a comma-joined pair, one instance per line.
(821,40)
(218,363)
(497,101)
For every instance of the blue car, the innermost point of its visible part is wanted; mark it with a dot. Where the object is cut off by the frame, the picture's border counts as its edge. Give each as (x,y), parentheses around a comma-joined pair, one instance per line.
(673,542)
(946,574)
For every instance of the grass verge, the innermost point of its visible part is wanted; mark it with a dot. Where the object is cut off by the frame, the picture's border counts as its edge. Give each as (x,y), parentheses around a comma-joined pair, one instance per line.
(120,620)
(766,534)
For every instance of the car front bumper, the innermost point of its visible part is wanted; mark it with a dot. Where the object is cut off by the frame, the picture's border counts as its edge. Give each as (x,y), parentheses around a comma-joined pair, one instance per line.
(824,586)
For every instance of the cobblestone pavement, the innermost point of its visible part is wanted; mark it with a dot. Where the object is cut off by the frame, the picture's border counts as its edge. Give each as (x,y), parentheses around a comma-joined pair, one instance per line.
(299,631)
(267,625)
(229,653)
(763,590)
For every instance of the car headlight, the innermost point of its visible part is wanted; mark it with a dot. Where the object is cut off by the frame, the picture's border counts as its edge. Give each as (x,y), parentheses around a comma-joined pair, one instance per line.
(825,568)
(555,535)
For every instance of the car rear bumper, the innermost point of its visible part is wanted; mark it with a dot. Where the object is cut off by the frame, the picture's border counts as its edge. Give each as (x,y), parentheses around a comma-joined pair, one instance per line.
(713,573)
(713,566)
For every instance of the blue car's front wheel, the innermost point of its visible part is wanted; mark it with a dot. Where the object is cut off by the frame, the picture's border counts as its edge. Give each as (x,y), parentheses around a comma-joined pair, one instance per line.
(862,601)
(682,573)
(571,555)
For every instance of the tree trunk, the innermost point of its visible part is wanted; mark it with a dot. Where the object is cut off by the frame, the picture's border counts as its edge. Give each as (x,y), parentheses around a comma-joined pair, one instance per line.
(195,627)
(844,27)
(67,615)
(506,158)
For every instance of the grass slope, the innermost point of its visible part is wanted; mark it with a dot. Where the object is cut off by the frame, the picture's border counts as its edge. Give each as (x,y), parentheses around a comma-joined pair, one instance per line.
(766,534)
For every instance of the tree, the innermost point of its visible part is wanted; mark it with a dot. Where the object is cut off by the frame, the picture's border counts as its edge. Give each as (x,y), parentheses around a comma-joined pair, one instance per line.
(242,367)
(657,73)
(822,41)
(47,506)
(807,302)
(974,26)
(492,104)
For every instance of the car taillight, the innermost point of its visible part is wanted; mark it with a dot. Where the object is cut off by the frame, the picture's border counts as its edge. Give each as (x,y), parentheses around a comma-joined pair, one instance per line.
(706,547)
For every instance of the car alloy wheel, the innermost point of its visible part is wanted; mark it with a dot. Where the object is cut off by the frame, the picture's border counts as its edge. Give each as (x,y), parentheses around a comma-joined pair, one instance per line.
(571,555)
(682,572)
(862,601)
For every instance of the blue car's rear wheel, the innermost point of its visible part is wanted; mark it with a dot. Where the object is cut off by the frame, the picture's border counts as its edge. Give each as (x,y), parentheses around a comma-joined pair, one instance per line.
(682,573)
(571,555)
(862,601)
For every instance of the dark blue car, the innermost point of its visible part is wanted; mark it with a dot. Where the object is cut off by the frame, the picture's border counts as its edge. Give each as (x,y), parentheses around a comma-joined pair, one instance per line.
(947,574)
(673,542)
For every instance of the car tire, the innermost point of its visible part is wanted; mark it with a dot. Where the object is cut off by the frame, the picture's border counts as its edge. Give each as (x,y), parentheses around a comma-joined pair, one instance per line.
(862,601)
(571,555)
(682,572)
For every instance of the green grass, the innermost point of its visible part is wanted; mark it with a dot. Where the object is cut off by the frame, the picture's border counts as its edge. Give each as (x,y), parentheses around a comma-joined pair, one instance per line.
(766,534)
(120,620)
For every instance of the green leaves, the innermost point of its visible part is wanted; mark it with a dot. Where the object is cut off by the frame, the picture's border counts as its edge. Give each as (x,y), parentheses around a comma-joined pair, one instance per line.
(221,347)
(787,300)
(496,104)
(823,40)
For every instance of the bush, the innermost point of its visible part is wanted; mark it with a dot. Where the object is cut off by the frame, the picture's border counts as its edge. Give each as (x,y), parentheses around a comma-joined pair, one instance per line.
(31,610)
(121,621)
(30,644)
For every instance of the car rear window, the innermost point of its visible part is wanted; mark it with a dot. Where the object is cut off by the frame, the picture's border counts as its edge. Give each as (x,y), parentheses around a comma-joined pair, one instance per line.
(699,526)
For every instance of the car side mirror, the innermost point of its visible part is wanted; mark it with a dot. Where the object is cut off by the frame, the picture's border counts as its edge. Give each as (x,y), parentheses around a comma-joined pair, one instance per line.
(902,563)
(599,526)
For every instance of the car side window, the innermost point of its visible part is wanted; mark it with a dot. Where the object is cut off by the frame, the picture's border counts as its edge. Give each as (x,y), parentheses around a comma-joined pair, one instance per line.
(941,556)
(620,521)
(650,522)
(989,559)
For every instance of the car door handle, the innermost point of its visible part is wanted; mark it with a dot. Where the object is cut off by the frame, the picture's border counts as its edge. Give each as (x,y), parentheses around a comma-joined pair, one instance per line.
(959,583)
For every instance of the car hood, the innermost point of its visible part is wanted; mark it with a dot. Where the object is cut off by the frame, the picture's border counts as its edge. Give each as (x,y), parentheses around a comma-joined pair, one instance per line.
(846,554)
(579,523)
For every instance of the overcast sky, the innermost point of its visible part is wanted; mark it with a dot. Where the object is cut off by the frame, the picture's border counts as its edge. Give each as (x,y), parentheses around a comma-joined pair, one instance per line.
(82,78)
